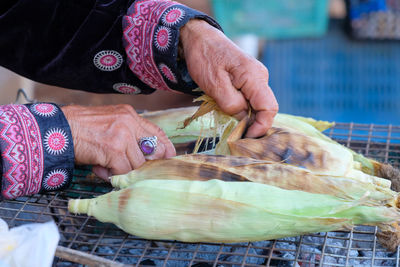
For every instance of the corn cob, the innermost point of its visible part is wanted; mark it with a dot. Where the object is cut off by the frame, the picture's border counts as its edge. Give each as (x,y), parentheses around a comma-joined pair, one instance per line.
(217,211)
(366,165)
(356,170)
(230,168)
(302,145)
(288,146)
(292,139)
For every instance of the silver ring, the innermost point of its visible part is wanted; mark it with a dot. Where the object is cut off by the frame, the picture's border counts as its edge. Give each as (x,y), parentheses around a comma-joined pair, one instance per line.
(148,145)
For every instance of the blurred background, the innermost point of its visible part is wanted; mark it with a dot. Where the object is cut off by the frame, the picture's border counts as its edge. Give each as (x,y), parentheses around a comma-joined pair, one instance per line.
(330,59)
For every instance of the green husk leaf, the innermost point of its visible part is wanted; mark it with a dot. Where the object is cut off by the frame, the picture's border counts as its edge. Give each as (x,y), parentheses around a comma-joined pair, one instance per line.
(217,211)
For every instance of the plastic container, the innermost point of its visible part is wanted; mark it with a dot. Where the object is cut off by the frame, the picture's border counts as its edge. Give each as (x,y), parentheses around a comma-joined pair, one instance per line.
(335,78)
(273,19)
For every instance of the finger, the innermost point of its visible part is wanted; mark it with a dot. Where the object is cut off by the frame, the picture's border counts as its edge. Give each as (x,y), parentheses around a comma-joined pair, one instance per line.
(168,146)
(120,165)
(227,97)
(135,156)
(239,116)
(263,121)
(102,172)
(159,151)
(170,150)
(264,103)
(258,129)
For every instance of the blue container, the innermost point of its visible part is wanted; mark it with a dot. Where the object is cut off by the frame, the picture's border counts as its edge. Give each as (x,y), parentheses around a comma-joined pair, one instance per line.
(374,19)
(335,78)
(273,19)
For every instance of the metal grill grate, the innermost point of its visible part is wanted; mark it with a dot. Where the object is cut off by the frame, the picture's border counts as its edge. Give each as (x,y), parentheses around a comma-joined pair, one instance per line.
(358,247)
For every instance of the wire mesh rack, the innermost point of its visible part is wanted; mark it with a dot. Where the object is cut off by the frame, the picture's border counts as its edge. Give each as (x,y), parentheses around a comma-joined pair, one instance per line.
(83,233)
(336,77)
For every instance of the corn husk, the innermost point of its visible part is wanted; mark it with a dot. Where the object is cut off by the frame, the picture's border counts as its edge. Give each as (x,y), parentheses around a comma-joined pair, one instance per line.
(296,148)
(294,157)
(218,211)
(317,124)
(302,125)
(292,139)
(171,121)
(231,168)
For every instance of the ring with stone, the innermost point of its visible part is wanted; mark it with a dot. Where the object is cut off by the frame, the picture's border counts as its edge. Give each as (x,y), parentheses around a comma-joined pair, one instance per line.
(148,145)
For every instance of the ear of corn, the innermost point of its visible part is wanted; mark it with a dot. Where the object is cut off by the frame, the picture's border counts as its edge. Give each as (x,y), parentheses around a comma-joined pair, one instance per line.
(217,211)
(293,141)
(231,168)
(317,124)
(299,140)
(307,126)
(331,188)
(283,145)
(366,165)
(294,148)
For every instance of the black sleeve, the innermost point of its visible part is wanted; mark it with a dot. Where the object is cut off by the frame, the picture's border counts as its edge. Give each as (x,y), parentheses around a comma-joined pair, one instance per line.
(102,46)
(37,150)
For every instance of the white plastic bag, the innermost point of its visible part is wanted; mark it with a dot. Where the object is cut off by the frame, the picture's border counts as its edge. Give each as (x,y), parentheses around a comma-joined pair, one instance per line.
(30,245)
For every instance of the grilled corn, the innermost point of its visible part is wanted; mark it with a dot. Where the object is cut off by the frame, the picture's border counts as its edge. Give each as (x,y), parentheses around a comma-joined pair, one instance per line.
(231,168)
(218,211)
(292,139)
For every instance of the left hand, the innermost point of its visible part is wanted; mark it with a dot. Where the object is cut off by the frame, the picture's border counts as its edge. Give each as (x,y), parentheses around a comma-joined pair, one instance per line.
(107,137)
(228,75)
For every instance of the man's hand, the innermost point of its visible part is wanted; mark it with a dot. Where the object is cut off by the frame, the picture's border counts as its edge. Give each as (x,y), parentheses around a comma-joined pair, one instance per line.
(108,136)
(231,77)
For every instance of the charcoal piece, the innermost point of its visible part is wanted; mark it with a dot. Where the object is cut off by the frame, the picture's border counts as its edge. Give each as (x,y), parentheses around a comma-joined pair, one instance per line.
(147,263)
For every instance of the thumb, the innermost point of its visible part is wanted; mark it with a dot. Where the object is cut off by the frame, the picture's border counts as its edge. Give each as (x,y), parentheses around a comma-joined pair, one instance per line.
(102,172)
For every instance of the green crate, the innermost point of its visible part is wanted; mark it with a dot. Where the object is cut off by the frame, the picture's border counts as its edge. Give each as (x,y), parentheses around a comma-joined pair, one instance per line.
(272,19)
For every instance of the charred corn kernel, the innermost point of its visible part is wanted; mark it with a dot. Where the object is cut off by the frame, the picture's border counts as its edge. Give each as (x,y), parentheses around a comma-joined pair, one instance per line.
(218,211)
(230,168)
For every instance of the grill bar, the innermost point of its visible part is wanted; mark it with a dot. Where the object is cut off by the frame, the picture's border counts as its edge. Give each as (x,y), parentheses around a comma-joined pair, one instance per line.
(339,248)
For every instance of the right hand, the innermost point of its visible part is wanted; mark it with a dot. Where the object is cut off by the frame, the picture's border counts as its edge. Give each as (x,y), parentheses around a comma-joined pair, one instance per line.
(107,137)
(232,78)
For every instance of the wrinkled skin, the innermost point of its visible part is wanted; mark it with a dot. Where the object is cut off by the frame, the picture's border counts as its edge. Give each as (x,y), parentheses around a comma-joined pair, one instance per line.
(228,75)
(107,137)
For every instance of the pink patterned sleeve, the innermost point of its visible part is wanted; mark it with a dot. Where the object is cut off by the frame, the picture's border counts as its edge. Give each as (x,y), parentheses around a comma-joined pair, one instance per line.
(36,149)
(151,38)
